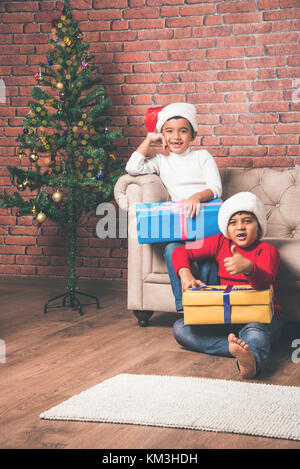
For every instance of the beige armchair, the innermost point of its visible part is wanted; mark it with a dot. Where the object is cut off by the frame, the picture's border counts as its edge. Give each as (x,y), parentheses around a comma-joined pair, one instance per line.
(149,287)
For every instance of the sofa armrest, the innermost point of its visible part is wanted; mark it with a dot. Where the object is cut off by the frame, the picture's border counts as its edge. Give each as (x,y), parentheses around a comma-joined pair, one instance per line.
(146,188)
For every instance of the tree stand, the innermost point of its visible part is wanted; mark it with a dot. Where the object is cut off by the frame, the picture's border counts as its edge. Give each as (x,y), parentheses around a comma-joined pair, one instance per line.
(74,302)
(72,291)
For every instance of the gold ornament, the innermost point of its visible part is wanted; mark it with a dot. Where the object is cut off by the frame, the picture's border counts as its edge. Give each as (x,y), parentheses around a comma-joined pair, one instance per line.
(57,196)
(59,85)
(33,211)
(33,157)
(41,217)
(22,153)
(67,41)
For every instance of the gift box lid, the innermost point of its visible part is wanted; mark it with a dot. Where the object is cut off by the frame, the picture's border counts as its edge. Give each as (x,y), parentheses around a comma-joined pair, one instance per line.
(157,209)
(239,295)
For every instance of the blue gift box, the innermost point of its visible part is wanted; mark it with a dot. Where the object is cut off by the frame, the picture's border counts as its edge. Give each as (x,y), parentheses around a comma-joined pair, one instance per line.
(167,221)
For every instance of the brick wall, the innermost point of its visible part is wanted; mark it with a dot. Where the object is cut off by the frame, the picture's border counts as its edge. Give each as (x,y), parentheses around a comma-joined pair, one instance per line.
(237,61)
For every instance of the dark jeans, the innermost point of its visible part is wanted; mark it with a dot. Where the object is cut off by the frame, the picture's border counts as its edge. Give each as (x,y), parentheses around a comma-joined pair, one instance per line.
(212,338)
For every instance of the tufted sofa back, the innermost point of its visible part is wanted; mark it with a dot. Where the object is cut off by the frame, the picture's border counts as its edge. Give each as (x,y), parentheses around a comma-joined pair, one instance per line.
(278,189)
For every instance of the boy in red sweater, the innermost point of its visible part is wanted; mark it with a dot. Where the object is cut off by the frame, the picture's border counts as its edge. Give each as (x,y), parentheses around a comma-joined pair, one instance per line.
(242,259)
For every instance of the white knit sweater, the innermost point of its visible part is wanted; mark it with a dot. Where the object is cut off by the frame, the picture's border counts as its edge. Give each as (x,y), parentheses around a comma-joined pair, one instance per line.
(182,174)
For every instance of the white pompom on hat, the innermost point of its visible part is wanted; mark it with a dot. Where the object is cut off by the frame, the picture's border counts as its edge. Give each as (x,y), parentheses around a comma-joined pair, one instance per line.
(156,117)
(242,202)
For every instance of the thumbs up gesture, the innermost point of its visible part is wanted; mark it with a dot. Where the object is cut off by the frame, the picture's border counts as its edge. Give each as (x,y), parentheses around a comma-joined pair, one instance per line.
(237,264)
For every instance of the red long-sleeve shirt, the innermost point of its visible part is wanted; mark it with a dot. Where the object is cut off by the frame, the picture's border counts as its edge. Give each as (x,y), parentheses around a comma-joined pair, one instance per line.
(264,256)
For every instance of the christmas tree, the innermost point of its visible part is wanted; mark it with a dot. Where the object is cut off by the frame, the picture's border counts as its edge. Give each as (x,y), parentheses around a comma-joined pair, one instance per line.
(65,145)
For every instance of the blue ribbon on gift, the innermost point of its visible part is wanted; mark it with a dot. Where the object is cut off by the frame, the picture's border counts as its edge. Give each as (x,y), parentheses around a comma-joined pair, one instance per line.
(226,298)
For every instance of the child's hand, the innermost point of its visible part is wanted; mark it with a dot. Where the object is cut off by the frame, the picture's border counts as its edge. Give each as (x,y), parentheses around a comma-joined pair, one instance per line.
(159,138)
(237,264)
(188,280)
(194,283)
(192,206)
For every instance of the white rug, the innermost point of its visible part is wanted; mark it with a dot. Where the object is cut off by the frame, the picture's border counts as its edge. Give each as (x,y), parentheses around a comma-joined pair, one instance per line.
(190,403)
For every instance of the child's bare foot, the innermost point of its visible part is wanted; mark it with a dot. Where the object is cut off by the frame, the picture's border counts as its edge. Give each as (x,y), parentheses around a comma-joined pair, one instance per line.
(242,352)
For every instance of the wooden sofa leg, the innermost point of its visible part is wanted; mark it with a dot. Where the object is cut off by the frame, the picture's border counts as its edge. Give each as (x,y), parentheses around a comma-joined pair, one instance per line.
(143,317)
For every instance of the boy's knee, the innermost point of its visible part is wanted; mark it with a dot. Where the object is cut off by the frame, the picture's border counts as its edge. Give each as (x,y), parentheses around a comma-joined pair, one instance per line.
(255,331)
(256,326)
(178,329)
(168,250)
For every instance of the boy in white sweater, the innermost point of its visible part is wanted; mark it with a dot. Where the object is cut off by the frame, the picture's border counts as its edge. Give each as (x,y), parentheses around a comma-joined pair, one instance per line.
(187,174)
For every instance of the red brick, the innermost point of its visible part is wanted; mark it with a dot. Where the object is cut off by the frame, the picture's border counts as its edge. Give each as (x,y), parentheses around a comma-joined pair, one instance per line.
(147,24)
(279,139)
(277,150)
(272,38)
(290,117)
(240,140)
(242,18)
(22,6)
(272,162)
(18,18)
(32,260)
(195,10)
(268,4)
(183,22)
(169,11)
(109,4)
(252,28)
(141,45)
(237,75)
(233,130)
(225,53)
(281,14)
(179,44)
(248,151)
(229,108)
(265,96)
(155,34)
(244,5)
(266,62)
(119,36)
(141,13)
(214,31)
(269,107)
(208,65)
(10,269)
(226,86)
(230,162)
(132,57)
(287,129)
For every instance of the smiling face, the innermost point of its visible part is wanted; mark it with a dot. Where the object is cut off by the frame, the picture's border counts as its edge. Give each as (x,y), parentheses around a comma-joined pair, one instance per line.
(178,134)
(243,229)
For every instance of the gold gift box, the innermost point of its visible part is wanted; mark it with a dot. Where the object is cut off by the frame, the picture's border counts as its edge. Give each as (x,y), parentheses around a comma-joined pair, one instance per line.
(243,305)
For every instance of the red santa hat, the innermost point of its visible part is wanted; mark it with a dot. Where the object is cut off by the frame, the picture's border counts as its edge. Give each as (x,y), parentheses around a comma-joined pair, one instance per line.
(156,116)
(242,202)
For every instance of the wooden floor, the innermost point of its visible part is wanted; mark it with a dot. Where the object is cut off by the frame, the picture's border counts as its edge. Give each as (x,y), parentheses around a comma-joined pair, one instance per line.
(51,357)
